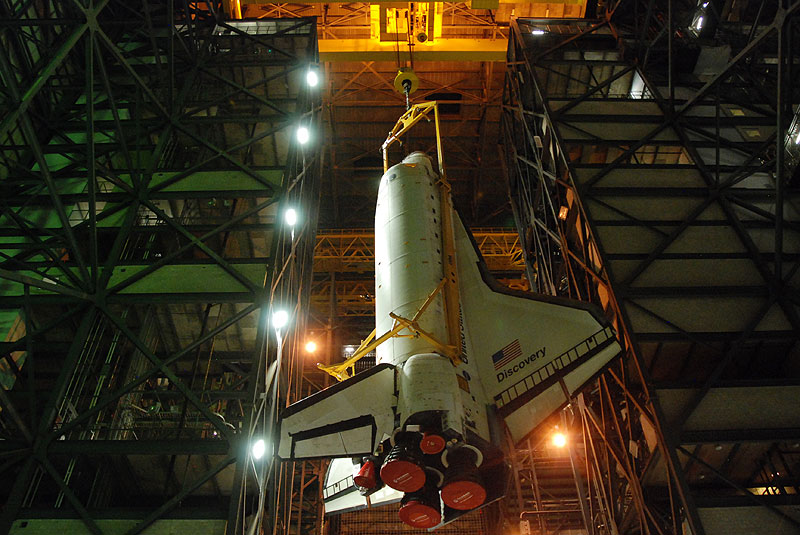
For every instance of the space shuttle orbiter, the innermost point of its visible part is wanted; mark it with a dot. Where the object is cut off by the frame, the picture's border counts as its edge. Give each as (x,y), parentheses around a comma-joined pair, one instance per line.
(462,362)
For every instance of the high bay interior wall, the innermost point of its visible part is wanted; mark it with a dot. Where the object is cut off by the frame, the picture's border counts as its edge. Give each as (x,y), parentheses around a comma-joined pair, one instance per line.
(148,151)
(666,191)
(643,469)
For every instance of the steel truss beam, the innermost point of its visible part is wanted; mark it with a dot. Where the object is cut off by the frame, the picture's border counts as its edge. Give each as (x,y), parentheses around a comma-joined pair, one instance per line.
(146,161)
(366,89)
(621,192)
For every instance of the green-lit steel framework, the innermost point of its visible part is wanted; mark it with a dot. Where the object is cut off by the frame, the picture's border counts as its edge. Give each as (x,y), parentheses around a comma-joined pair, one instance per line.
(652,166)
(147,155)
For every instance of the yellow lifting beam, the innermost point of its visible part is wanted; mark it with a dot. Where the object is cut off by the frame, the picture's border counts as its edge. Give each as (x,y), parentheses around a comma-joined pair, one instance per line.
(344,370)
(452,305)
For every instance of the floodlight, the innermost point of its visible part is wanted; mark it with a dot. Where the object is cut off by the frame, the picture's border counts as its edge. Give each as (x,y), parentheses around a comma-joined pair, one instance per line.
(279,319)
(303,135)
(559,440)
(290,216)
(259,449)
(312,78)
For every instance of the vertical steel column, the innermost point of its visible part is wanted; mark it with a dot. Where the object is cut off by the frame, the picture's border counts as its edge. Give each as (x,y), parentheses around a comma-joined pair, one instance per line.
(141,176)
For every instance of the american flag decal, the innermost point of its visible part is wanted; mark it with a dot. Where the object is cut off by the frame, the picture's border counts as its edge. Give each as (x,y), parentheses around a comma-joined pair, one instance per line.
(507,354)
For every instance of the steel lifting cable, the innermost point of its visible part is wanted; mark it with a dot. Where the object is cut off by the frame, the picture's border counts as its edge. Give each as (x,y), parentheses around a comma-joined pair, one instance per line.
(397,37)
(410,37)
(407,85)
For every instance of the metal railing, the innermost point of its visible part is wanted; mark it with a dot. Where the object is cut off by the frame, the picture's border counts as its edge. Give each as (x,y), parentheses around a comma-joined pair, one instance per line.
(541,374)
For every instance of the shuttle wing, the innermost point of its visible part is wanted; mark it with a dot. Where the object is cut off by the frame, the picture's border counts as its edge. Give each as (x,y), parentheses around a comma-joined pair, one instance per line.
(347,419)
(531,351)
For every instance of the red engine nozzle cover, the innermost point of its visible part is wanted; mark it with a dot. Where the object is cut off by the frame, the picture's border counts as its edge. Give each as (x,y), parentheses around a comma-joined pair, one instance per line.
(403,475)
(402,470)
(464,494)
(419,515)
(367,476)
(432,443)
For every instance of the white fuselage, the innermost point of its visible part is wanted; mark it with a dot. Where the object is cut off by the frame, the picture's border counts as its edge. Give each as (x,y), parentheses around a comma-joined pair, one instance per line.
(408,257)
(408,268)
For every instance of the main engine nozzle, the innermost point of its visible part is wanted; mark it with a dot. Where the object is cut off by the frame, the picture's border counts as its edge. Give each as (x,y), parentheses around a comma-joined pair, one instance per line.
(463,487)
(421,509)
(403,470)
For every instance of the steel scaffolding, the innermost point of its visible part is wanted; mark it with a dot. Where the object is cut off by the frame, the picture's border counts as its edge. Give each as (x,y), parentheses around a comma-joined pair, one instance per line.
(148,154)
(651,165)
